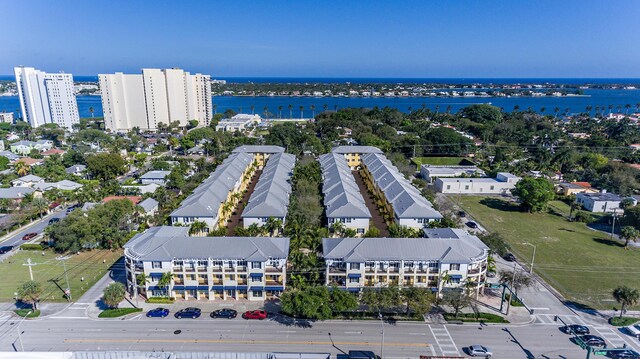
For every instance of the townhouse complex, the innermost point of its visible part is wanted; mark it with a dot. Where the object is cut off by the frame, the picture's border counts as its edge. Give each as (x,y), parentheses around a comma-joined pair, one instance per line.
(446,258)
(342,198)
(156,96)
(206,268)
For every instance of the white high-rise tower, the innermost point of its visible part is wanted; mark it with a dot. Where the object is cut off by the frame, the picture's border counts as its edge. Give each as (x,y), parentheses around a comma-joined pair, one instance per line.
(46,97)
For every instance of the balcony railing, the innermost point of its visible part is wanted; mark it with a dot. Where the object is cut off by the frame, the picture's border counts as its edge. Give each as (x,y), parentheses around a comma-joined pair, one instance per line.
(189,269)
(241,268)
(216,269)
(337,270)
(202,282)
(273,282)
(178,282)
(474,271)
(273,269)
(201,269)
(177,269)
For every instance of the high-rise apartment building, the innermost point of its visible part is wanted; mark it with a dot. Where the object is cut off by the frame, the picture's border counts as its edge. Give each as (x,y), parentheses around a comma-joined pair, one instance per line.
(46,97)
(156,96)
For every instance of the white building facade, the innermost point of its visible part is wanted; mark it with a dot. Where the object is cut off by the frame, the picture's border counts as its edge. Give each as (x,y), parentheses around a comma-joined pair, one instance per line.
(502,184)
(46,97)
(153,97)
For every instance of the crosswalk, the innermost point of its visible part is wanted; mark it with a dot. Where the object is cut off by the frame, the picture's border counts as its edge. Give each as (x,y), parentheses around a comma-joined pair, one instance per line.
(445,343)
(611,335)
(548,319)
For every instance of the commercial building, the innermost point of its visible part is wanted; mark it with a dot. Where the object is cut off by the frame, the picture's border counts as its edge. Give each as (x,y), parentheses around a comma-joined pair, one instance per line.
(353,153)
(207,268)
(502,184)
(270,197)
(602,202)
(239,122)
(46,97)
(213,201)
(6,117)
(572,188)
(446,259)
(431,172)
(153,97)
(397,196)
(342,198)
(260,152)
(157,177)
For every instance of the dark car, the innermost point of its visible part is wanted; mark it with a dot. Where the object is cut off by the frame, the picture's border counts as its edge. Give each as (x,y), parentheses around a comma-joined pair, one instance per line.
(462,214)
(575,329)
(54,220)
(5,249)
(158,313)
(188,313)
(509,257)
(255,314)
(29,236)
(626,354)
(224,313)
(471,224)
(593,340)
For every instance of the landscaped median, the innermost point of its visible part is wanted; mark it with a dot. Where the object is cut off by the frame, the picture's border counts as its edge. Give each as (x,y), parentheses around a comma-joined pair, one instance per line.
(475,318)
(118,312)
(29,313)
(622,322)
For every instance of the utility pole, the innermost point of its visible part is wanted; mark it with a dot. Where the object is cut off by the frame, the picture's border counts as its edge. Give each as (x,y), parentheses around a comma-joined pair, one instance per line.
(613,223)
(67,291)
(533,258)
(19,332)
(29,264)
(382,341)
(513,277)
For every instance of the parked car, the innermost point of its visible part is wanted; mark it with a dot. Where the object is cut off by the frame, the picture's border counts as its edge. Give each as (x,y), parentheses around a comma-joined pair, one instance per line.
(626,354)
(29,236)
(634,330)
(480,351)
(462,214)
(509,257)
(491,274)
(5,249)
(224,313)
(255,314)
(158,313)
(575,328)
(54,220)
(188,313)
(472,224)
(593,340)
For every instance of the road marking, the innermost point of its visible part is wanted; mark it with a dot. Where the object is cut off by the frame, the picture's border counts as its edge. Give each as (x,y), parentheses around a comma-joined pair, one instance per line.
(135,317)
(92,330)
(222,330)
(548,319)
(232,341)
(352,332)
(611,336)
(68,317)
(539,308)
(417,333)
(444,340)
(286,331)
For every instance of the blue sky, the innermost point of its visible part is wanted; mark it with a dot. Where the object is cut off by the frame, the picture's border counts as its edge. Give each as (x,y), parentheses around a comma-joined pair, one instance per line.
(466,38)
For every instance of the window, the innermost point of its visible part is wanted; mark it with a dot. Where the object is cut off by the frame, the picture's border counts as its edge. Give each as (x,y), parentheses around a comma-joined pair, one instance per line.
(466,187)
(256,265)
(355,266)
(354,280)
(448,186)
(256,279)
(156,265)
(360,230)
(257,294)
(493,187)
(433,265)
(454,266)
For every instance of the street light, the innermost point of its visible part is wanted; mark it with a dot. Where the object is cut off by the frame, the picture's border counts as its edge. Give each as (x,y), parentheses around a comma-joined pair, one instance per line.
(382,340)
(533,258)
(67,291)
(19,333)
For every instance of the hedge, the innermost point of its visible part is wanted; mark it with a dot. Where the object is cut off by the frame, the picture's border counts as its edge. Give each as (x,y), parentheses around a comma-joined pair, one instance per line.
(31,247)
(472,317)
(622,322)
(23,313)
(118,312)
(161,300)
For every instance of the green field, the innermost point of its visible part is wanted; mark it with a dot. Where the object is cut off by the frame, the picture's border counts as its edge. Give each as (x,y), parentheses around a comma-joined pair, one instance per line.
(438,161)
(583,264)
(48,271)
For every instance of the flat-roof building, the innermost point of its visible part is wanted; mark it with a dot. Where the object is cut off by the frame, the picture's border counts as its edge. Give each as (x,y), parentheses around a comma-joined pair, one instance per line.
(601,202)
(502,184)
(431,172)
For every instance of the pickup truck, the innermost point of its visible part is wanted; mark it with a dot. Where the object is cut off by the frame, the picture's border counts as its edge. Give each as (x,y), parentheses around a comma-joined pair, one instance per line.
(634,330)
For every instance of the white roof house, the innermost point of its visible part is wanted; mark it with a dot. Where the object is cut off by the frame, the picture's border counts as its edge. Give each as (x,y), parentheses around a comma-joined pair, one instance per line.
(502,184)
(158,177)
(599,202)
(27,181)
(239,122)
(64,185)
(270,197)
(342,198)
(149,206)
(15,192)
(431,172)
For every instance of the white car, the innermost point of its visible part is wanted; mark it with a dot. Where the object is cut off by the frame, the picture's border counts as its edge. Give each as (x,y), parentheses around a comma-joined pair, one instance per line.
(480,351)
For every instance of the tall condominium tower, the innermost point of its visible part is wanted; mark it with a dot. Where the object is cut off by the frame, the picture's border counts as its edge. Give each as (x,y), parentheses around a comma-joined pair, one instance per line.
(46,98)
(157,96)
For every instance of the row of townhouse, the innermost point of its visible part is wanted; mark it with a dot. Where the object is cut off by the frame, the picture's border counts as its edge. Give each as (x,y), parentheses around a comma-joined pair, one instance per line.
(342,198)
(446,259)
(270,197)
(397,196)
(205,268)
(353,154)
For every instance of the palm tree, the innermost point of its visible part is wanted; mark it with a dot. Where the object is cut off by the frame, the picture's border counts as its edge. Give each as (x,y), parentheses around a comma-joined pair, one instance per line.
(253,109)
(516,108)
(141,281)
(626,108)
(325,107)
(410,109)
(91,111)
(290,111)
(301,112)
(21,168)
(557,111)
(265,111)
(41,205)
(215,108)
(626,297)
(449,109)
(165,282)
(629,234)
(197,228)
(445,278)
(542,109)
(313,110)
(280,111)
(273,225)
(574,207)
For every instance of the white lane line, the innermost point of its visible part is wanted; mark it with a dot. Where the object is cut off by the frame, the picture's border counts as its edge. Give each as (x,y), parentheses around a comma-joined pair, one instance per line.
(417,333)
(539,308)
(68,317)
(352,332)
(286,331)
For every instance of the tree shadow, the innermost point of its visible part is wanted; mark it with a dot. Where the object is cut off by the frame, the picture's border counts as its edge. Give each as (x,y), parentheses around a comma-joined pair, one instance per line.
(609,242)
(101,304)
(499,204)
(567,230)
(581,307)
(290,321)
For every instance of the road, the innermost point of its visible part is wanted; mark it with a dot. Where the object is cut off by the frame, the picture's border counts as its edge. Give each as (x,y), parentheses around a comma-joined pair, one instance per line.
(38,227)
(401,340)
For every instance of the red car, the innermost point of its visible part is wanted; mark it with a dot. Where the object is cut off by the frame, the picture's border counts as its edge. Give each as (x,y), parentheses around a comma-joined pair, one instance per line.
(255,314)
(28,236)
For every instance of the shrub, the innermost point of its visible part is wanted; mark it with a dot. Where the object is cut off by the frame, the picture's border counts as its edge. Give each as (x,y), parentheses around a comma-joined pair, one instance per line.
(119,312)
(473,317)
(31,313)
(584,217)
(161,300)
(32,247)
(622,322)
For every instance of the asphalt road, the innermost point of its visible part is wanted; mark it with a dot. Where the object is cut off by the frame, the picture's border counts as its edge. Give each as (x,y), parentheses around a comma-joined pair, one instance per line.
(401,340)
(39,227)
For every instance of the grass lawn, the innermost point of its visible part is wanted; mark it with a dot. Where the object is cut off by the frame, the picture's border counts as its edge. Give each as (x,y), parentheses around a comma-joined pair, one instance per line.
(118,312)
(440,161)
(27,313)
(622,322)
(48,271)
(583,264)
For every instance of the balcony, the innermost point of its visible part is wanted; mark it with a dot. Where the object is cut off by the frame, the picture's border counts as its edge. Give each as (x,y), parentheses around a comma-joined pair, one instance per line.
(273,270)
(203,282)
(473,271)
(178,282)
(339,283)
(369,269)
(241,268)
(273,282)
(337,270)
(394,270)
(201,269)
(190,269)
(216,269)
(177,269)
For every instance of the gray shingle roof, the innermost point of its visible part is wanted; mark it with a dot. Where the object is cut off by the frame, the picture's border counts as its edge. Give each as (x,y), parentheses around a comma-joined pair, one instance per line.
(356,149)
(270,197)
(258,149)
(166,243)
(460,248)
(406,200)
(30,178)
(75,168)
(148,204)
(15,192)
(342,197)
(10,155)
(155,175)
(206,199)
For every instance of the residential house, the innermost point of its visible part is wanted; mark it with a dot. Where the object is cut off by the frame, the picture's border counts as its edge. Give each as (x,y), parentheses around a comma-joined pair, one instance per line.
(400,200)
(149,188)
(342,198)
(270,197)
(53,151)
(15,193)
(260,152)
(157,177)
(572,188)
(239,122)
(76,170)
(447,259)
(601,202)
(64,185)
(6,117)
(134,199)
(353,153)
(431,172)
(9,155)
(502,184)
(24,147)
(30,161)
(27,181)
(149,207)
(206,268)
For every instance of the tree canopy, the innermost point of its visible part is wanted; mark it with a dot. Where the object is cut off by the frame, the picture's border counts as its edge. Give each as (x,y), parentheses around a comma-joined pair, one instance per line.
(534,193)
